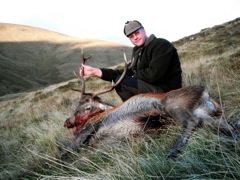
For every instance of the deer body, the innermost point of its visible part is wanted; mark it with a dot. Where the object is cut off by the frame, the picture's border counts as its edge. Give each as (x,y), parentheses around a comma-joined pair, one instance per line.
(191,105)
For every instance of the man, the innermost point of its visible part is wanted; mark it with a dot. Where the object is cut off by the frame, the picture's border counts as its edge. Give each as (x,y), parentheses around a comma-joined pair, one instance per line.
(155,65)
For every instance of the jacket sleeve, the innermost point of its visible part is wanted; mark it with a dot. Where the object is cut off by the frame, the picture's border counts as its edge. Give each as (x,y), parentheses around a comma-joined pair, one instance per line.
(155,63)
(111,75)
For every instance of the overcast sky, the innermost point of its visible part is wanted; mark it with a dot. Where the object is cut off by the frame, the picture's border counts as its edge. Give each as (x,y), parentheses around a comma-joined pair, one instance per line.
(105,19)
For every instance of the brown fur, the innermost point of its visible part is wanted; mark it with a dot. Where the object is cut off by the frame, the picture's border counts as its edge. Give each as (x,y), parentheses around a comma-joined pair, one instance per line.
(191,105)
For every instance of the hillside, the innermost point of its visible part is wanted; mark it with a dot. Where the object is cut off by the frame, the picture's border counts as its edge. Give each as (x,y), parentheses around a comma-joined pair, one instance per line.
(210,41)
(32,58)
(32,132)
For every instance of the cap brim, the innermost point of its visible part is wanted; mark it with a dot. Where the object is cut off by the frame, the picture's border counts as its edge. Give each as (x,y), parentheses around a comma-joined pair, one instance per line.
(132,31)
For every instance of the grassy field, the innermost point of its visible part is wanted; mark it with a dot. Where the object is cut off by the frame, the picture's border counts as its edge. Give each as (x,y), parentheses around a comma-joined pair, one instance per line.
(32,132)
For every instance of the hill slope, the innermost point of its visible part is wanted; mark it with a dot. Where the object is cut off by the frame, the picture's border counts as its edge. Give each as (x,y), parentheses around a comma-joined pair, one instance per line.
(31,57)
(210,41)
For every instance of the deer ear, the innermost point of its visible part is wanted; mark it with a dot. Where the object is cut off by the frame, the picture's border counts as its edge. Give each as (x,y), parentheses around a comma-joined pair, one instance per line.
(102,107)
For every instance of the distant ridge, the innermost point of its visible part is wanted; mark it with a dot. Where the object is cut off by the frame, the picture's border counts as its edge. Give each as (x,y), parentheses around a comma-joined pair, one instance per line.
(32,58)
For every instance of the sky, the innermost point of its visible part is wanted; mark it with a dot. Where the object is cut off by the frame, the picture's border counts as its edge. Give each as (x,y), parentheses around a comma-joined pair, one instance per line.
(105,19)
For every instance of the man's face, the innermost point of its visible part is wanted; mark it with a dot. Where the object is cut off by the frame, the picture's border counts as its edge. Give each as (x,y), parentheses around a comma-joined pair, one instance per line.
(138,37)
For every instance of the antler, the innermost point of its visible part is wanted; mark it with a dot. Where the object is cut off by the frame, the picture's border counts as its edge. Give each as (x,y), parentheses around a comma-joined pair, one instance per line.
(84,59)
(118,82)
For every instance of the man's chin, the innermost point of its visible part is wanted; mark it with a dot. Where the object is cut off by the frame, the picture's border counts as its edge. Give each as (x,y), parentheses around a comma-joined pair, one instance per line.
(138,44)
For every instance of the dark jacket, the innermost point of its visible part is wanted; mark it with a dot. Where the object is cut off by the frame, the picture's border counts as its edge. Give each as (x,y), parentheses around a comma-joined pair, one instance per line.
(156,62)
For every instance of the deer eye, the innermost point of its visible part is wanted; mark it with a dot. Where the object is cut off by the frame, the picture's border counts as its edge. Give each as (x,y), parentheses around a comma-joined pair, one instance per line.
(88,108)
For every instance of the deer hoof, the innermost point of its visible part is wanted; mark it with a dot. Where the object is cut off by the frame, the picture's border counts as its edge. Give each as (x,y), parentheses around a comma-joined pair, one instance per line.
(234,136)
(237,126)
(173,153)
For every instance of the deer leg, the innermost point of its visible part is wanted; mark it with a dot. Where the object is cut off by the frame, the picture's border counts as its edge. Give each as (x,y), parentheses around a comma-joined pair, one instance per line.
(221,124)
(189,123)
(181,142)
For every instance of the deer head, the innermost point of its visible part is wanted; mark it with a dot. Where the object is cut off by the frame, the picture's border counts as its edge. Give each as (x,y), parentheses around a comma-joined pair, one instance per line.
(89,104)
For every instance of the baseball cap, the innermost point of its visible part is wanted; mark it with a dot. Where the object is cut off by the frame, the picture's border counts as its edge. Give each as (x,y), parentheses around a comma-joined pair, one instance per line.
(131,26)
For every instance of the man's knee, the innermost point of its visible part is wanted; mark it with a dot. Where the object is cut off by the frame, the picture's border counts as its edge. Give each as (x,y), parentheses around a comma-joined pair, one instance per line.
(127,88)
(128,82)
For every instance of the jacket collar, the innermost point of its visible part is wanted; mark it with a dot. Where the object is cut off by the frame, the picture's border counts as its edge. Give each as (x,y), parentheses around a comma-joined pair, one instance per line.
(136,49)
(150,38)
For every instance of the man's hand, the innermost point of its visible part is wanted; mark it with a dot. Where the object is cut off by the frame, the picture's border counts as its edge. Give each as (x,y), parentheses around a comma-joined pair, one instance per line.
(88,71)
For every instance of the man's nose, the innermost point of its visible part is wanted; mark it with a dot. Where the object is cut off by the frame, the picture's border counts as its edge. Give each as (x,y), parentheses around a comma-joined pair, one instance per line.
(134,36)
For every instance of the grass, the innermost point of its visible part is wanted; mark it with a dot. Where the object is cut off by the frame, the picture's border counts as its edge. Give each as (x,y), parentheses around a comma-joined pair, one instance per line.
(32,135)
(32,132)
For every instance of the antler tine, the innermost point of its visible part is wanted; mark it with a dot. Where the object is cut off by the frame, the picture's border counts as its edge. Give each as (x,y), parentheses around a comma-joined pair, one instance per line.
(86,58)
(118,82)
(82,74)
(124,72)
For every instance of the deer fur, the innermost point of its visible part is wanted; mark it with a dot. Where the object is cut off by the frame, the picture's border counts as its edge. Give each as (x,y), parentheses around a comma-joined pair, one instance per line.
(96,121)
